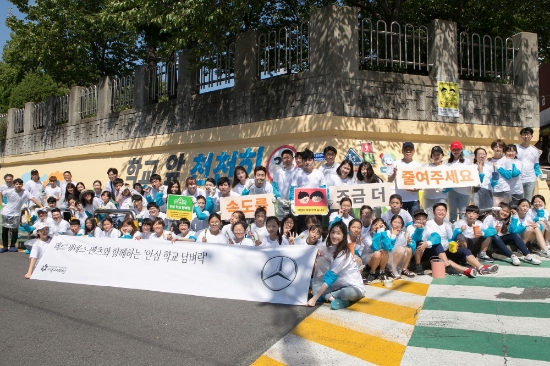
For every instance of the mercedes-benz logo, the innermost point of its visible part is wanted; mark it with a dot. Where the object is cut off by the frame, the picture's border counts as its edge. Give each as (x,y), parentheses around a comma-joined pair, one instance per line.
(44,267)
(279,272)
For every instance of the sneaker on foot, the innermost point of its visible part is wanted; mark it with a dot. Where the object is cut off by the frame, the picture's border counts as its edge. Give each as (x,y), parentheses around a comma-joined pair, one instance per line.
(408,273)
(515,260)
(3,250)
(530,259)
(470,272)
(418,269)
(13,249)
(382,277)
(371,277)
(545,253)
(27,251)
(487,269)
(338,304)
(482,256)
(451,271)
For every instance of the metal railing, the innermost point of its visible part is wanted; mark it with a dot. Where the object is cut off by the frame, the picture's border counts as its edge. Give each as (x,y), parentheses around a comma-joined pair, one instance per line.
(400,47)
(39,115)
(217,69)
(285,51)
(88,102)
(3,125)
(486,57)
(19,120)
(162,81)
(61,109)
(122,93)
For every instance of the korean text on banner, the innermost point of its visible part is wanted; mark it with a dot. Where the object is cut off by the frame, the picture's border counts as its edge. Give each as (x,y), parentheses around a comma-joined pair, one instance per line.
(273,274)
(310,201)
(246,204)
(438,177)
(179,207)
(376,194)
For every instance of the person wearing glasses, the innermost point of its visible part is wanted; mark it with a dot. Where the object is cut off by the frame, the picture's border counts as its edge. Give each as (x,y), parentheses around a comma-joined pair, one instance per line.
(529,157)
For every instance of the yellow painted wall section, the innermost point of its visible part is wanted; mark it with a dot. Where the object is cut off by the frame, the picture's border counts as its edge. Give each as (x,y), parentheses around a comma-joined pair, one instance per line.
(216,151)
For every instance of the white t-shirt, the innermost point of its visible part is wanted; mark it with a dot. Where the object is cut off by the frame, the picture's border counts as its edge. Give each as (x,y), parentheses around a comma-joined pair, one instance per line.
(337,181)
(197,224)
(267,242)
(348,272)
(266,188)
(59,227)
(246,242)
(226,230)
(469,232)
(487,171)
(15,201)
(345,220)
(113,233)
(406,195)
(161,237)
(445,231)
(39,248)
(528,156)
(69,232)
(405,215)
(216,199)
(198,192)
(35,188)
(284,177)
(238,188)
(505,185)
(315,179)
(52,192)
(258,232)
(96,233)
(142,235)
(220,238)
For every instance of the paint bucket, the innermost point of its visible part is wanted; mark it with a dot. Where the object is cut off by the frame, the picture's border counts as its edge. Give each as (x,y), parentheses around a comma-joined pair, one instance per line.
(438,267)
(388,282)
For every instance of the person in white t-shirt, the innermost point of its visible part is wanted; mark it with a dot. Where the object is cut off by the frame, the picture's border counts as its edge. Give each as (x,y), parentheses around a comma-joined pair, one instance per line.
(11,213)
(329,167)
(239,231)
(240,178)
(274,236)
(39,247)
(409,196)
(52,190)
(8,178)
(529,157)
(67,178)
(224,191)
(192,190)
(432,196)
(459,197)
(34,186)
(213,233)
(281,182)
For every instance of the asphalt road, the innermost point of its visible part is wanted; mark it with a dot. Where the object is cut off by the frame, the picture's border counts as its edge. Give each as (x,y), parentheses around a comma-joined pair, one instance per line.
(46,323)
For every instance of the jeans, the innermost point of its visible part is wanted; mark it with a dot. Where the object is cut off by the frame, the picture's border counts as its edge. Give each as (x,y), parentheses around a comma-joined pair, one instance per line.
(483,198)
(349,293)
(458,202)
(529,190)
(460,256)
(499,242)
(411,206)
(5,235)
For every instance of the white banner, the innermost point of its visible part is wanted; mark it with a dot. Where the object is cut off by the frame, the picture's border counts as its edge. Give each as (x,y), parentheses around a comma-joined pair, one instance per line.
(273,274)
(247,204)
(447,176)
(376,194)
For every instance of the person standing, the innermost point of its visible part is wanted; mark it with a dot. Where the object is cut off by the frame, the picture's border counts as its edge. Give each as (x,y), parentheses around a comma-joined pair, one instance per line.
(458,198)
(529,157)
(409,196)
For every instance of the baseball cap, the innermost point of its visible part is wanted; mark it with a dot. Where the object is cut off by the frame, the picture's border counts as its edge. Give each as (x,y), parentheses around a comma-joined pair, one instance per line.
(456,145)
(437,149)
(408,144)
(419,212)
(42,210)
(40,226)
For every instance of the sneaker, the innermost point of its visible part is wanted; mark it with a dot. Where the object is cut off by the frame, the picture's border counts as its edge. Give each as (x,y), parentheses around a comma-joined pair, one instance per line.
(27,251)
(371,277)
(488,269)
(418,269)
(3,250)
(408,273)
(382,277)
(530,259)
(470,272)
(544,253)
(13,249)
(515,260)
(451,271)
(338,304)
(482,256)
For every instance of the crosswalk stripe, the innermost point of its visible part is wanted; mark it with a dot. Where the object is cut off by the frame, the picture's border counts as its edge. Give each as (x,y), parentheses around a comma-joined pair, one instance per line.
(415,356)
(365,323)
(264,360)
(386,310)
(538,327)
(394,297)
(406,286)
(522,271)
(490,281)
(488,293)
(357,344)
(294,350)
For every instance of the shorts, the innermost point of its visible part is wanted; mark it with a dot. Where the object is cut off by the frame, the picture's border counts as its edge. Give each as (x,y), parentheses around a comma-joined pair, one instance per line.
(474,245)
(432,252)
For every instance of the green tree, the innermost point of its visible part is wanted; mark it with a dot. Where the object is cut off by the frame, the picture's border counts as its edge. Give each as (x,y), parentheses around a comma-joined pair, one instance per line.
(34,87)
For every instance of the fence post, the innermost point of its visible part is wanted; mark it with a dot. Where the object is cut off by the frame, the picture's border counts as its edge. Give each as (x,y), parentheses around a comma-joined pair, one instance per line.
(141,88)
(11,123)
(526,75)
(104,97)
(246,60)
(334,40)
(28,118)
(74,104)
(443,50)
(187,78)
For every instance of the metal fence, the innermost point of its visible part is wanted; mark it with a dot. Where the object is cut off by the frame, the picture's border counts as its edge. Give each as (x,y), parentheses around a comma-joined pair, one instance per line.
(3,125)
(39,115)
(486,57)
(61,109)
(18,122)
(88,102)
(404,48)
(122,93)
(285,51)
(217,69)
(162,81)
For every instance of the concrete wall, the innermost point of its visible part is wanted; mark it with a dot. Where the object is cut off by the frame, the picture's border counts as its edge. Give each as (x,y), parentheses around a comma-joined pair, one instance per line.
(334,86)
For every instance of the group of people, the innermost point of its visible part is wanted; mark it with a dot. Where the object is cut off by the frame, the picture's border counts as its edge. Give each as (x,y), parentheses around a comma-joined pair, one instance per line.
(453,225)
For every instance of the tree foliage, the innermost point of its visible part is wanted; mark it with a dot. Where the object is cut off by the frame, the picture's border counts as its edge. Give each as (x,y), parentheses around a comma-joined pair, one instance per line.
(34,87)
